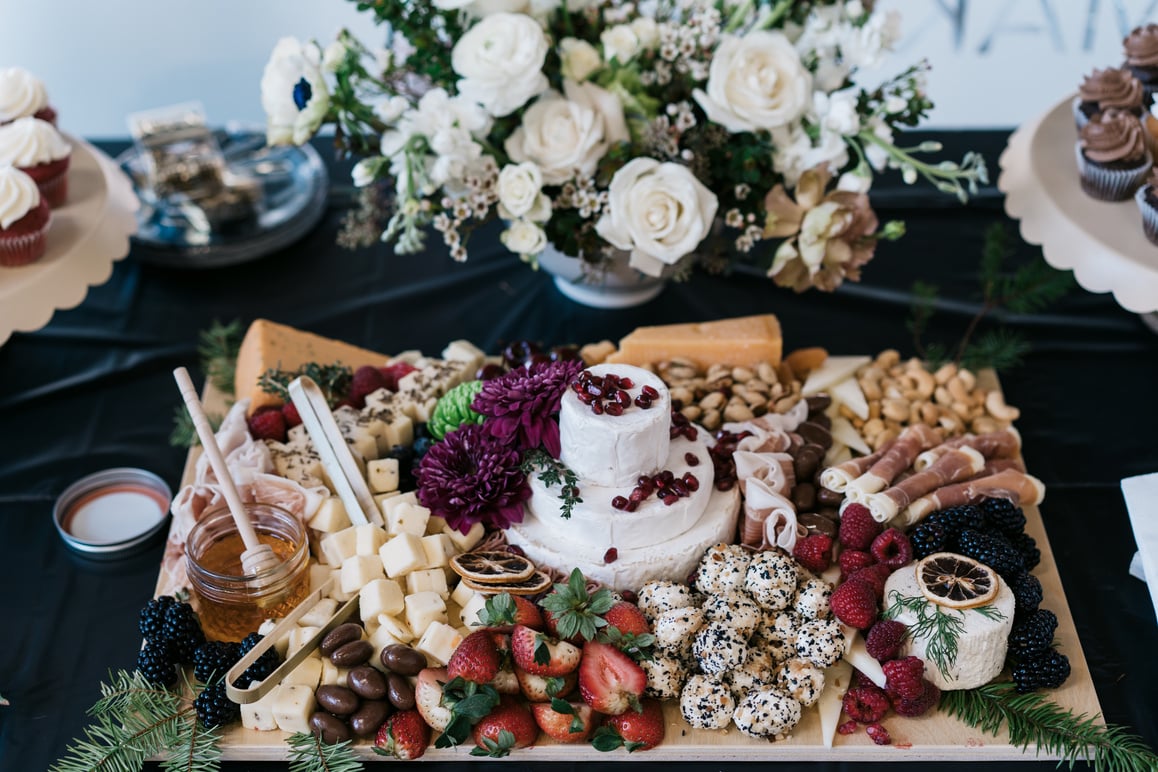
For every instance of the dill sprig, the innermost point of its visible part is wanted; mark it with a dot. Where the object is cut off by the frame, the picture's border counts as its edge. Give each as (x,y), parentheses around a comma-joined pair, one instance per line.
(1033,718)
(133,721)
(218,349)
(554,472)
(333,380)
(307,753)
(942,628)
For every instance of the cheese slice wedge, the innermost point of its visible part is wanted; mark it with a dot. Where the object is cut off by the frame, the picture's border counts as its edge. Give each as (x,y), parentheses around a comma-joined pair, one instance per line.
(270,345)
(741,341)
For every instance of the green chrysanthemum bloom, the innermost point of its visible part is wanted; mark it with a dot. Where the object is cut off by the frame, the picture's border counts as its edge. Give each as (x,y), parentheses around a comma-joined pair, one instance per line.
(453,410)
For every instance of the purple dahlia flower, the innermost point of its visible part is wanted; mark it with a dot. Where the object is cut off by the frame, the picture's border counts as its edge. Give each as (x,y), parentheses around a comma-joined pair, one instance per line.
(521,405)
(472,477)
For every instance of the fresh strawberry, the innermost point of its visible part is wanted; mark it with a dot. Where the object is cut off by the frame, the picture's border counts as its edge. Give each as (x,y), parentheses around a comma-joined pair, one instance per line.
(566,727)
(506,682)
(855,604)
(367,380)
(268,424)
(394,372)
(428,698)
(609,680)
(551,622)
(628,618)
(475,659)
(404,735)
(640,731)
(289,411)
(542,688)
(540,655)
(510,725)
(814,552)
(504,610)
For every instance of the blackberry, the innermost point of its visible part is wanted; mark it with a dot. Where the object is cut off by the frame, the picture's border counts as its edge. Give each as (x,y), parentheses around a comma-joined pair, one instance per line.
(213,659)
(928,538)
(262,668)
(958,519)
(421,445)
(214,708)
(182,630)
(152,619)
(1026,592)
(406,462)
(1003,515)
(156,663)
(1032,634)
(1025,544)
(991,549)
(1046,670)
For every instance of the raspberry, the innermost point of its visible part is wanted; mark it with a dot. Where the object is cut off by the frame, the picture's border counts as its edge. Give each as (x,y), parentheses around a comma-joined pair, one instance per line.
(848,727)
(892,548)
(879,734)
(851,560)
(857,527)
(921,705)
(268,424)
(394,372)
(814,552)
(928,538)
(904,678)
(855,604)
(885,638)
(874,576)
(866,702)
(1047,670)
(367,380)
(290,412)
(1026,592)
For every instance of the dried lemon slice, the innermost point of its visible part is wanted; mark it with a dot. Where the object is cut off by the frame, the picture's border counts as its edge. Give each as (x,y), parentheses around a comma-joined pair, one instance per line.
(956,581)
(492,567)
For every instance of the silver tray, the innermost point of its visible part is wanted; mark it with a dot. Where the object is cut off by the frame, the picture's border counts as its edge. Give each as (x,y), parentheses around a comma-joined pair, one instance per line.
(294,186)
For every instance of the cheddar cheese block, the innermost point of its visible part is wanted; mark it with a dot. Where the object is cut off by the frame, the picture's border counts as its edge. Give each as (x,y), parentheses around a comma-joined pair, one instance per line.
(742,341)
(269,345)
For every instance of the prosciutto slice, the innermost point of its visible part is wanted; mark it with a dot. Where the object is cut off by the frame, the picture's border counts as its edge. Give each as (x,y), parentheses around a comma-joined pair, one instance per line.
(954,466)
(769,519)
(1001,444)
(837,478)
(770,432)
(912,440)
(776,470)
(1018,487)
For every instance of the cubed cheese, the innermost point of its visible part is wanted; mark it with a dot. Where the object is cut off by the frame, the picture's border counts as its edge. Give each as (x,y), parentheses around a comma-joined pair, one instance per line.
(369,539)
(466,352)
(319,614)
(292,707)
(439,642)
(461,594)
(471,609)
(331,516)
(427,580)
(336,591)
(402,554)
(329,674)
(435,524)
(382,475)
(338,546)
(396,627)
(308,673)
(439,550)
(423,608)
(410,497)
(319,575)
(464,541)
(259,715)
(359,571)
(407,518)
(380,639)
(282,643)
(298,637)
(381,596)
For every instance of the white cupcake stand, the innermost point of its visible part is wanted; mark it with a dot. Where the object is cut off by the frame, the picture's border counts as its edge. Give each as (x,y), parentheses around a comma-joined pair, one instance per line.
(1101,242)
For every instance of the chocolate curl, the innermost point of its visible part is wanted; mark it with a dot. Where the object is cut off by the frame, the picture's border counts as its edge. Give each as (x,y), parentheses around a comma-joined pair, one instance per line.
(776,470)
(769,519)
(1018,487)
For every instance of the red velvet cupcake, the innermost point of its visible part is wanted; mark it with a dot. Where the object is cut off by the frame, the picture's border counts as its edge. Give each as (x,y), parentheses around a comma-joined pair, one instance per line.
(22,95)
(36,148)
(24,219)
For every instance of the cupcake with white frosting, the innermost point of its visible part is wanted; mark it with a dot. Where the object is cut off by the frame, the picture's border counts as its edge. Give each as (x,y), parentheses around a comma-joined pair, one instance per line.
(37,148)
(24,218)
(22,95)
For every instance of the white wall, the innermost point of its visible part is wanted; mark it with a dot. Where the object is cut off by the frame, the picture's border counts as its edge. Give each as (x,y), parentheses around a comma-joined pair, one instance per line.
(996,62)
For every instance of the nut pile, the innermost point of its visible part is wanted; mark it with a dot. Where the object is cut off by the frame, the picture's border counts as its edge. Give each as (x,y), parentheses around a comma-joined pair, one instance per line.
(728,394)
(903,393)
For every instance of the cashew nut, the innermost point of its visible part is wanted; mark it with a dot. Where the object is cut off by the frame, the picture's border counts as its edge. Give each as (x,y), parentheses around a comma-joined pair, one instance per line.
(995,404)
(944,373)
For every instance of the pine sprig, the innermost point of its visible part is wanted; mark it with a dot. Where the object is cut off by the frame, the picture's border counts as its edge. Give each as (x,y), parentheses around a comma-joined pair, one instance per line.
(184,434)
(218,350)
(307,753)
(553,472)
(1033,718)
(133,721)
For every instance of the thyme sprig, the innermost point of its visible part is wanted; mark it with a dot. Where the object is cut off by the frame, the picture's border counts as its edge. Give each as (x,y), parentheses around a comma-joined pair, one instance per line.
(942,628)
(333,380)
(554,472)
(307,753)
(1034,718)
(133,721)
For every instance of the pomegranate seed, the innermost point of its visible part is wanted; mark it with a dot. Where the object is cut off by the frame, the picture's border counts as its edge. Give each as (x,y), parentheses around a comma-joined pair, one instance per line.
(670,499)
(593,389)
(627,383)
(691,459)
(632,506)
(597,408)
(613,408)
(629,596)
(611,555)
(637,495)
(691,481)
(679,487)
(619,502)
(643,402)
(648,391)
(623,398)
(660,483)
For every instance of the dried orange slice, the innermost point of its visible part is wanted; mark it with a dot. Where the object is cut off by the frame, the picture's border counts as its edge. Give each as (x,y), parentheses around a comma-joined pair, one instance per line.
(956,581)
(492,567)
(536,583)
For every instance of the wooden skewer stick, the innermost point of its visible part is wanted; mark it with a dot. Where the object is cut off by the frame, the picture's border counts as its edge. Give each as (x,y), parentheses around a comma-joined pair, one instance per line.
(257,556)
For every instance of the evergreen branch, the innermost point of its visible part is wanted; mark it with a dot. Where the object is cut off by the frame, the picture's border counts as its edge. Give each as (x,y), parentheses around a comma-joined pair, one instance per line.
(1033,718)
(307,753)
(218,350)
(184,434)
(195,751)
(1000,348)
(920,312)
(553,472)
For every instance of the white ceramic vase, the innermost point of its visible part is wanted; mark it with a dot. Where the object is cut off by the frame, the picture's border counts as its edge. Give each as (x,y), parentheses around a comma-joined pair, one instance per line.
(614,284)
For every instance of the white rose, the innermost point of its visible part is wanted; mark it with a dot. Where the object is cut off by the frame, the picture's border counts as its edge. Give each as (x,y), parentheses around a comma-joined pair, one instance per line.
(524,238)
(500,61)
(647,31)
(579,59)
(567,135)
(659,211)
(755,82)
(293,92)
(519,188)
(619,42)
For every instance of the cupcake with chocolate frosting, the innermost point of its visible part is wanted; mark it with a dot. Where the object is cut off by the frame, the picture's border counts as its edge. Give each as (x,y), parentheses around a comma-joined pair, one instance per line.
(1147,200)
(1105,89)
(1112,155)
(22,95)
(1141,49)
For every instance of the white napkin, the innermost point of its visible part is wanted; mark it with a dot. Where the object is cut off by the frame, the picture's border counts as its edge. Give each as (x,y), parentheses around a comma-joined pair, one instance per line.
(1141,494)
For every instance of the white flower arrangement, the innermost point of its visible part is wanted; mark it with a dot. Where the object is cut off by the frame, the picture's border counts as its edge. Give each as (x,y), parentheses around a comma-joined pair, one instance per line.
(676,130)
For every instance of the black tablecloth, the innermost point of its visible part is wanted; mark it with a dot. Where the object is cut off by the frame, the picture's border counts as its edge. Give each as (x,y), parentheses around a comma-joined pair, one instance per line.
(94,390)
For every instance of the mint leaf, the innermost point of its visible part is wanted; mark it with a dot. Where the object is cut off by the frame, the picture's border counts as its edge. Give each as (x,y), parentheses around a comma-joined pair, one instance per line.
(542,652)
(606,739)
(555,685)
(562,706)
(632,745)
